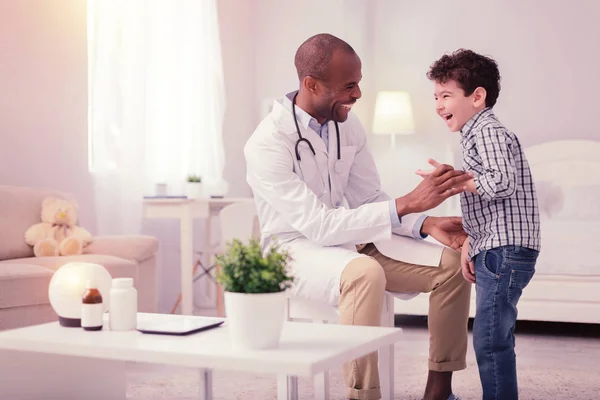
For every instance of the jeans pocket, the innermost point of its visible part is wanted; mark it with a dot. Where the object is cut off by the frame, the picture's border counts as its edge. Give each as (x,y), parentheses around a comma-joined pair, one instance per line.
(489,263)
(519,279)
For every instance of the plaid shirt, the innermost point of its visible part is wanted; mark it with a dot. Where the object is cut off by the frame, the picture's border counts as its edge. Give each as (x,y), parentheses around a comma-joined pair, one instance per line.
(505,210)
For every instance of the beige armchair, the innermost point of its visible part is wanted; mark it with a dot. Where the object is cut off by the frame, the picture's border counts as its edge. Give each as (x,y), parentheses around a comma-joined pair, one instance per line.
(24,279)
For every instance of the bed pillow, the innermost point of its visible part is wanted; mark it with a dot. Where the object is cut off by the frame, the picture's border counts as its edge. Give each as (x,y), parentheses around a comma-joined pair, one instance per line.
(580,202)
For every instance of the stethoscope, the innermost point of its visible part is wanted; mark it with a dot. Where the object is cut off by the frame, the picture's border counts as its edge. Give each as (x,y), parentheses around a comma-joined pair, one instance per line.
(338,166)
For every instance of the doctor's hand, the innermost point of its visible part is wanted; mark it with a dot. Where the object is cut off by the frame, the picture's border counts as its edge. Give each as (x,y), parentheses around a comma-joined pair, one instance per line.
(435,187)
(446,230)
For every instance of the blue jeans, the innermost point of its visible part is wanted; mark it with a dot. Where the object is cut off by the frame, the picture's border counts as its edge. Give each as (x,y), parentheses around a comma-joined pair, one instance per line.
(501,274)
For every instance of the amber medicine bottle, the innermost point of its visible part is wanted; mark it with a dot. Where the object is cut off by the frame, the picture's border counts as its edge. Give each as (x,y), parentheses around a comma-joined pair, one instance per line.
(92,309)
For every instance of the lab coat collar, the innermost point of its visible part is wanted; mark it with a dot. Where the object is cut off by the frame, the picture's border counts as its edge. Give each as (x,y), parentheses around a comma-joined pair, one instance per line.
(282,115)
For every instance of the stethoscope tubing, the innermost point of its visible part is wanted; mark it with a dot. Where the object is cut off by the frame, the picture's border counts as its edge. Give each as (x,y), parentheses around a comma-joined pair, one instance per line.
(302,139)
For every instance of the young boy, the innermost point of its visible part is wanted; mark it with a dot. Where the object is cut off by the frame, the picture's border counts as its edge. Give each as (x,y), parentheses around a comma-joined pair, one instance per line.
(499,208)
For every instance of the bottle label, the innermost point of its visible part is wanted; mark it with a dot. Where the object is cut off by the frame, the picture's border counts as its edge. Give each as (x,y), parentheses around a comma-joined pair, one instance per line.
(91,315)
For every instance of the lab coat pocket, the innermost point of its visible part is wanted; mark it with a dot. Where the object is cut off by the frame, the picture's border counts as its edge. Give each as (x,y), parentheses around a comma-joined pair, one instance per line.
(309,172)
(342,166)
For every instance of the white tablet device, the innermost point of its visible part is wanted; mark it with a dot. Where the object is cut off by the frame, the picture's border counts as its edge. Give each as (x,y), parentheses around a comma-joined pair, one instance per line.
(179,326)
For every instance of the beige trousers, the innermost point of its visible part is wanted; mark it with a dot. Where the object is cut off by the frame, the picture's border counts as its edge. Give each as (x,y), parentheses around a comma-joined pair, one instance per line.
(362,287)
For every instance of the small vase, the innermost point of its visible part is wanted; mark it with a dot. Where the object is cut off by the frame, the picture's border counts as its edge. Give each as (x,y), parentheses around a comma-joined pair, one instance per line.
(161,189)
(255,320)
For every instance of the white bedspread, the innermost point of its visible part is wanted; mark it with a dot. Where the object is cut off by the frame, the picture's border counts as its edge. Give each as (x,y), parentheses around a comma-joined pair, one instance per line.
(570,248)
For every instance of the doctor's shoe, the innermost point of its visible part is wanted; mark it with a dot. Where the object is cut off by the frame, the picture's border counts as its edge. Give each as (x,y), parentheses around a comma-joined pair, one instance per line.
(453,397)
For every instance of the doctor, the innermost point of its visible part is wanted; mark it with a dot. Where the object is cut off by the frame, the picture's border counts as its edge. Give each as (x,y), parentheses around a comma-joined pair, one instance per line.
(318,194)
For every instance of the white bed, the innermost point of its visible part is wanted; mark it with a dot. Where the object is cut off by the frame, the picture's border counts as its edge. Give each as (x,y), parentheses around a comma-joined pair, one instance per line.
(566,286)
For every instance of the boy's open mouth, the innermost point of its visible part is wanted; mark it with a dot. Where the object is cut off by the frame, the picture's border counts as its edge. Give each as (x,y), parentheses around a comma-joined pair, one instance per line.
(447,117)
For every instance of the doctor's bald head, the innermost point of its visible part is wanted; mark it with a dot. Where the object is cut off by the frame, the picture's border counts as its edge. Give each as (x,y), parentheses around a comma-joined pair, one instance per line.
(314,55)
(329,71)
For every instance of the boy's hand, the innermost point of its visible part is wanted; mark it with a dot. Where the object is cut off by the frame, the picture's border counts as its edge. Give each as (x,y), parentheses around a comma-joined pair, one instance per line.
(423,173)
(434,189)
(467,267)
(470,184)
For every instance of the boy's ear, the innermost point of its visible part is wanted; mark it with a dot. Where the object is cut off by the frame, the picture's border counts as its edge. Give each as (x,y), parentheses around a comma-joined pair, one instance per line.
(479,96)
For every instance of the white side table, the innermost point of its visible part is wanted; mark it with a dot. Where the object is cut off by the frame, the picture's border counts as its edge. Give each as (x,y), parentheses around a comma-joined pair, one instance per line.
(186,210)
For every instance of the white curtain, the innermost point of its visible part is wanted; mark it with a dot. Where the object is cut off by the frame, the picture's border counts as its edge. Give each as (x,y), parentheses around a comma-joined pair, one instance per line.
(156,102)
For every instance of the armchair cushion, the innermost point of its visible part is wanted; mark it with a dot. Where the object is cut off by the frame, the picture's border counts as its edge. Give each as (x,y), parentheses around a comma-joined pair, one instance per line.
(23,284)
(33,276)
(137,248)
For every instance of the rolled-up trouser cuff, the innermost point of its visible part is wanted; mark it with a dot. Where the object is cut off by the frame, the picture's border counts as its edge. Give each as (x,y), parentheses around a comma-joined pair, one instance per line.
(448,366)
(363,394)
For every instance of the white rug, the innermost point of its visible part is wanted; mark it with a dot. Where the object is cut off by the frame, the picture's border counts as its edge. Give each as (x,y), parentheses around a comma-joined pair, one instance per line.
(549,368)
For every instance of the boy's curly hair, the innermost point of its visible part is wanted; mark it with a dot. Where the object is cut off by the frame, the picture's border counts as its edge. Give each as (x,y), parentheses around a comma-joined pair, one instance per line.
(470,70)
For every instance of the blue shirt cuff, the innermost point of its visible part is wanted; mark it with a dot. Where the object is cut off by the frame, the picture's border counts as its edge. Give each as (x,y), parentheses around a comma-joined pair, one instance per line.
(396,220)
(417,227)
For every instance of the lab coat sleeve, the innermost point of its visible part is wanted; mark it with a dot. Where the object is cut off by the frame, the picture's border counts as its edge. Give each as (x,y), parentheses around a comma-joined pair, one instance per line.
(364,184)
(271,177)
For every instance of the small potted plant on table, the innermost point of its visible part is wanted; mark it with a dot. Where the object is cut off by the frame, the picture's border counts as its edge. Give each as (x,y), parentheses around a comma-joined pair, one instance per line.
(193,187)
(254,285)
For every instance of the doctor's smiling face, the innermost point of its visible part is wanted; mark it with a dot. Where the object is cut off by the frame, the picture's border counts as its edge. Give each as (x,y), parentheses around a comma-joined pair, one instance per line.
(335,94)
(329,71)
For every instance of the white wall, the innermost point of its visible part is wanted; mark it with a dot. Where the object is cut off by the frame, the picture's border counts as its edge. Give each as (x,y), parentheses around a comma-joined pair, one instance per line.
(43,101)
(238,24)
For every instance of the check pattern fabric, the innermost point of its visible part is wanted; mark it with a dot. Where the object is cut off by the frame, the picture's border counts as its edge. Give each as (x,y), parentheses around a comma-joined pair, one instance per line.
(505,211)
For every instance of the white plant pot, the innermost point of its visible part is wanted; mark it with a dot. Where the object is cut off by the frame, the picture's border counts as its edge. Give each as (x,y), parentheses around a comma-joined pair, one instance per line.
(193,190)
(216,189)
(255,320)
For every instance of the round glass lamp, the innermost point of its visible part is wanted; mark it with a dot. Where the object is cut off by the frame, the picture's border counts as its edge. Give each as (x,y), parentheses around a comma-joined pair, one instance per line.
(68,285)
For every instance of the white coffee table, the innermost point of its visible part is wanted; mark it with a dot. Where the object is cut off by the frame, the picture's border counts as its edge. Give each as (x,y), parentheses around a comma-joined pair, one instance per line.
(49,361)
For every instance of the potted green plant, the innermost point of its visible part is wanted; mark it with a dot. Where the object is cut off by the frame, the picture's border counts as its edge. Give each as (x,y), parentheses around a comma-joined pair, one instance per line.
(254,284)
(193,187)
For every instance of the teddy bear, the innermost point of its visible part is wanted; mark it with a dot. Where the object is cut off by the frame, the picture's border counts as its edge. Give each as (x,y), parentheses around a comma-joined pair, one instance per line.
(57,234)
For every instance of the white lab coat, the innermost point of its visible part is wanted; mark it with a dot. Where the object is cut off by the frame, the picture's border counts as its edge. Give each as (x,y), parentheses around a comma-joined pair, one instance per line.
(318,226)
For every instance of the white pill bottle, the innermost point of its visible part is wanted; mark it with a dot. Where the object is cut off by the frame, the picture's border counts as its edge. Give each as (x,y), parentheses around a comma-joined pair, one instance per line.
(123,305)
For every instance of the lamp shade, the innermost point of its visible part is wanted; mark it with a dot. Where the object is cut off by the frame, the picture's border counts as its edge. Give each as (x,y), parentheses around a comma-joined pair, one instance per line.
(68,285)
(393,114)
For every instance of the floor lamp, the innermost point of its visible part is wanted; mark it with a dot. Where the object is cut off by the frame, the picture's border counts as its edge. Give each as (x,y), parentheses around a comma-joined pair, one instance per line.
(393,115)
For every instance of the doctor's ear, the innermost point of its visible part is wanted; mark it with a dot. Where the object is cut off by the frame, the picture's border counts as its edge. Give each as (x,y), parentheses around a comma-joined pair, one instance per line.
(310,84)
